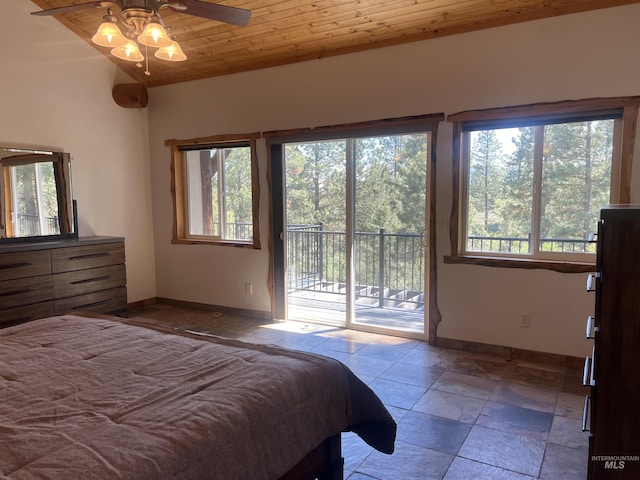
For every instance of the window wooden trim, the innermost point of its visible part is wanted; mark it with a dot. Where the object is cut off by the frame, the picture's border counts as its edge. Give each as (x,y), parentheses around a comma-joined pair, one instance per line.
(179,233)
(547,112)
(384,127)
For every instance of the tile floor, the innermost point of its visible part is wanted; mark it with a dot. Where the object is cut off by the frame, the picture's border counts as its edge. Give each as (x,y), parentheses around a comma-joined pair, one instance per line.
(460,415)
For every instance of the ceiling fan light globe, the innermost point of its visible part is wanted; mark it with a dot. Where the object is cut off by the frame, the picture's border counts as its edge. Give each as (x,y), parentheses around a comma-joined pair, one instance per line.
(172,53)
(109,35)
(129,52)
(154,35)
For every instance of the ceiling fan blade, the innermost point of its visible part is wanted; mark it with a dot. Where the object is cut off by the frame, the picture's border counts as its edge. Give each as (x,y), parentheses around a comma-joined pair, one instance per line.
(213,11)
(73,8)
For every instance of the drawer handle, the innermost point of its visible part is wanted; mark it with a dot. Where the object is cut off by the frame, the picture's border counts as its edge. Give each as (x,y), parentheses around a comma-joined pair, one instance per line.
(592,380)
(91,280)
(91,305)
(590,329)
(16,292)
(21,319)
(586,372)
(90,255)
(591,281)
(585,413)
(15,265)
(587,375)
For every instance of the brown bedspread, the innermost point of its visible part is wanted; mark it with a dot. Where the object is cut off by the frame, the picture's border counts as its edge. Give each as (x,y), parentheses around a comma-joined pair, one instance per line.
(91,397)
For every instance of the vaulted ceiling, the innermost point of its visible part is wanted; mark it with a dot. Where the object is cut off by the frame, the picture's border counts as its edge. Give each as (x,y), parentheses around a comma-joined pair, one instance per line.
(286,31)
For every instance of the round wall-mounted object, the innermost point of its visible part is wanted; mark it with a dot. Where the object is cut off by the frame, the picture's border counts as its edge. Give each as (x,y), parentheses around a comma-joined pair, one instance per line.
(130,95)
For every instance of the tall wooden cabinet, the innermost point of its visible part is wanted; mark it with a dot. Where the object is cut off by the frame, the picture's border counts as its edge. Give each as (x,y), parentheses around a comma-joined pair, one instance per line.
(613,371)
(52,278)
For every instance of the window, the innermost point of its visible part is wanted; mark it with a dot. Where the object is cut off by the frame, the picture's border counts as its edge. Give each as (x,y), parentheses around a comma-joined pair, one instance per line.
(216,191)
(531,180)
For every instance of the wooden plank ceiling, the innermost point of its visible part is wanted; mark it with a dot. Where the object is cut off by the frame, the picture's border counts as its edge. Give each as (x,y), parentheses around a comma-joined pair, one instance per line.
(287,31)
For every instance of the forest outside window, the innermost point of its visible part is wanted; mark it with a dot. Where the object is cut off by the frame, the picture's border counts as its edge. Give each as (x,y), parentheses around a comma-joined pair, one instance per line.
(215,191)
(532,180)
(28,194)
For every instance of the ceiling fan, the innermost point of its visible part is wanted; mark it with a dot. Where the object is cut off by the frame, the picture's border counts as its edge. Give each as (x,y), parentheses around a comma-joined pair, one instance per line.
(212,11)
(143,25)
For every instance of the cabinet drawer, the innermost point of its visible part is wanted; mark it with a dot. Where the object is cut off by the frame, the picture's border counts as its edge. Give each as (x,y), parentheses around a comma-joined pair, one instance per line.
(89,256)
(26,312)
(80,282)
(24,291)
(24,264)
(105,301)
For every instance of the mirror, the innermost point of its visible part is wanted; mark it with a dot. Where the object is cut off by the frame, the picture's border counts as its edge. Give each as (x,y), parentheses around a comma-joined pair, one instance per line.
(35,195)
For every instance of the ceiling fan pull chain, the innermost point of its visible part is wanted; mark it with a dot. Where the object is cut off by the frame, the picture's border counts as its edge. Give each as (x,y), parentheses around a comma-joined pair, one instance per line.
(146,61)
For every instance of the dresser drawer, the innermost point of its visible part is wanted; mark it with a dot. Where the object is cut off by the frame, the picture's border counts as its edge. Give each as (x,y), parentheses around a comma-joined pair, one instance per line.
(105,301)
(24,264)
(26,313)
(89,256)
(24,291)
(80,282)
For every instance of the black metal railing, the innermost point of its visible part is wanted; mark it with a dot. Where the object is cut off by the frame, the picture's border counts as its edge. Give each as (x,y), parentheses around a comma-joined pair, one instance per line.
(316,258)
(389,267)
(236,230)
(29,225)
(476,243)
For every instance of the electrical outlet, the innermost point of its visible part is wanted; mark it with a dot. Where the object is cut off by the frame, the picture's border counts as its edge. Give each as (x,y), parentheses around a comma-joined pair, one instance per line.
(248,288)
(525,320)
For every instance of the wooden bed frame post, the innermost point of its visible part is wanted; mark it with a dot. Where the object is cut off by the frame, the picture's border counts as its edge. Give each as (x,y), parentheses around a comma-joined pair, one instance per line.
(325,462)
(335,469)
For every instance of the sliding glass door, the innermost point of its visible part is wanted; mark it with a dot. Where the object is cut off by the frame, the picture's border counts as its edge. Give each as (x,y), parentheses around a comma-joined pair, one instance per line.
(390,193)
(349,246)
(355,216)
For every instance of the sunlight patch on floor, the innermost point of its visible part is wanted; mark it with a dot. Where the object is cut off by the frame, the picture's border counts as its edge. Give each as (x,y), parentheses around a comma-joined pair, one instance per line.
(298,327)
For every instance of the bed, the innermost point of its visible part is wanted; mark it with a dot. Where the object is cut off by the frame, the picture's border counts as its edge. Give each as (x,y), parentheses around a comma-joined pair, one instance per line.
(88,396)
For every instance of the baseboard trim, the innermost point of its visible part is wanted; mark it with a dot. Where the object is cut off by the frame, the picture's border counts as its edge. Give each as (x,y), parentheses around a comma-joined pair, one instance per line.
(140,304)
(511,353)
(265,316)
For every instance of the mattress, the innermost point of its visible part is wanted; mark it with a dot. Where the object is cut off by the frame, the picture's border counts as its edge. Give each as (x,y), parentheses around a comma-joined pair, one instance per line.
(95,397)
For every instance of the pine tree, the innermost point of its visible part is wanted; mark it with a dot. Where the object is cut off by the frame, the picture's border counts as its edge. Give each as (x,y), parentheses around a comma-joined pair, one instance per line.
(576,176)
(486,176)
(517,202)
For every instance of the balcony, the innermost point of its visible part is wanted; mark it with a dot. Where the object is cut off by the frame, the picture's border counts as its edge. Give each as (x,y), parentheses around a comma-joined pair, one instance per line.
(389,267)
(389,277)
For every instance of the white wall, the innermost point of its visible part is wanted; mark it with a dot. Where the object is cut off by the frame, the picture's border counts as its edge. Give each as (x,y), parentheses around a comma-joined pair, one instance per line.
(55,92)
(587,55)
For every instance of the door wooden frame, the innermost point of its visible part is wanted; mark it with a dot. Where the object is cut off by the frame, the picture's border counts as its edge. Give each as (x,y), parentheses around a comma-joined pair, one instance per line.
(275,179)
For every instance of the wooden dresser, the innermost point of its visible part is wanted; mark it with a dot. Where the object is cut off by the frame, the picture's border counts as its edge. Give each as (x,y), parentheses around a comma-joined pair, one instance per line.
(612,410)
(52,278)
